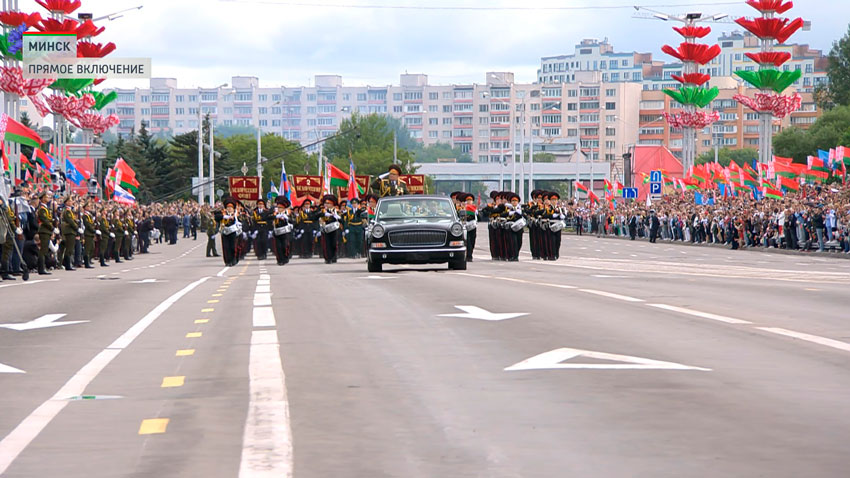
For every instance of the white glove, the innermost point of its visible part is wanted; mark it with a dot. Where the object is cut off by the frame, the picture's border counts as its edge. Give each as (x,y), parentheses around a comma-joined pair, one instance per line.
(19,231)
(346,231)
(327,214)
(126,233)
(213,236)
(53,247)
(97,233)
(81,230)
(112,235)
(55,230)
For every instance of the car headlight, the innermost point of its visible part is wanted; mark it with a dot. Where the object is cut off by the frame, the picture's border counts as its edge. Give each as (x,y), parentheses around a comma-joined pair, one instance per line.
(378,231)
(457,229)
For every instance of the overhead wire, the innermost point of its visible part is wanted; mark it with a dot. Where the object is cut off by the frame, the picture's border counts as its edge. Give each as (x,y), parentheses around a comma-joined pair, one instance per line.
(296,3)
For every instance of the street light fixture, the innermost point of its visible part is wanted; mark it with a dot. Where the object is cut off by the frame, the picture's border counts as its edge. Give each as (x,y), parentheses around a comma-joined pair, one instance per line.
(201,184)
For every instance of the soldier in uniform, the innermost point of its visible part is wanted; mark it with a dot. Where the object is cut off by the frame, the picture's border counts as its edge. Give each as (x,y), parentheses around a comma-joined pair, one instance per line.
(557,214)
(89,235)
(208,223)
(356,219)
(70,228)
(492,212)
(513,239)
(342,237)
(469,217)
(104,238)
(261,219)
(390,185)
(8,222)
(229,232)
(130,230)
(307,220)
(328,216)
(118,230)
(45,230)
(283,242)
(535,223)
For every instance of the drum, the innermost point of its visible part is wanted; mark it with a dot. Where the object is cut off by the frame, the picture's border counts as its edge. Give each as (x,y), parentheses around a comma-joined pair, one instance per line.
(471,225)
(518,225)
(279,231)
(544,224)
(228,230)
(330,227)
(557,226)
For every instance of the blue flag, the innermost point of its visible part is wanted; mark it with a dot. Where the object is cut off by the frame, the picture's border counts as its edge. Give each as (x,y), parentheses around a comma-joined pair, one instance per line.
(73,175)
(824,156)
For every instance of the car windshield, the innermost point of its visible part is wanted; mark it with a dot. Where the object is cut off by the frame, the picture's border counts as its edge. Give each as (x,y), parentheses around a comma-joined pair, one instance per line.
(416,209)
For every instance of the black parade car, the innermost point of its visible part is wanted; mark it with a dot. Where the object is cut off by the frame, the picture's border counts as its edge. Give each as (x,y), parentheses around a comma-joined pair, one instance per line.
(416,230)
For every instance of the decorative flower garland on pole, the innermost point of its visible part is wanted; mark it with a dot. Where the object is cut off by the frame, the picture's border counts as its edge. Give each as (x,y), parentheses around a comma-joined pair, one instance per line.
(770,102)
(692,95)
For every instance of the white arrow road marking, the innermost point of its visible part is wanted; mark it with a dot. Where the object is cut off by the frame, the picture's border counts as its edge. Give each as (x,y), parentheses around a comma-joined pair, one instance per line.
(42,322)
(553,359)
(473,312)
(377,277)
(146,281)
(8,369)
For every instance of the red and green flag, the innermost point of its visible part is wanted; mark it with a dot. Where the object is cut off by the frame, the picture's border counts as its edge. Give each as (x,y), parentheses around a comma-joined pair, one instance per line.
(6,165)
(772,193)
(11,130)
(581,187)
(338,178)
(817,164)
(124,176)
(26,164)
(789,184)
(42,158)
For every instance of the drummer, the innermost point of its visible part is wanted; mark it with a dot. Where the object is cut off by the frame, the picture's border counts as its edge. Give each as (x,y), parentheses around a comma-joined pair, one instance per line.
(282,231)
(330,223)
(469,216)
(515,219)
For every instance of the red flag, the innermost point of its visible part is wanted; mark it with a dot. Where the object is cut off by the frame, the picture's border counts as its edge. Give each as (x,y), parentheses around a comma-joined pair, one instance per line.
(6,165)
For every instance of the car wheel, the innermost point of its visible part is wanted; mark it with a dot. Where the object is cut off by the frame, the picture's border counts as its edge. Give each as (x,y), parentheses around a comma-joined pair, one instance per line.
(374,266)
(458,265)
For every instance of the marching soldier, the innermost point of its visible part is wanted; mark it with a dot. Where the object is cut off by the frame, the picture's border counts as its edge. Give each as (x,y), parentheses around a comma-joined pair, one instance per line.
(45,230)
(536,227)
(307,220)
(208,223)
(493,210)
(89,235)
(117,229)
(261,219)
(103,233)
(343,235)
(513,215)
(70,228)
(129,233)
(469,218)
(230,230)
(390,185)
(8,223)
(282,231)
(330,220)
(357,219)
(557,216)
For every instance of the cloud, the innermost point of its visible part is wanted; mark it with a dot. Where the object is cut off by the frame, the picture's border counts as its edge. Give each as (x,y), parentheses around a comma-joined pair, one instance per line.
(205,42)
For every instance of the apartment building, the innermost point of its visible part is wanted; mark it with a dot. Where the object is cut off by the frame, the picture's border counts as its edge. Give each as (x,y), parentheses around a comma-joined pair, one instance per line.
(656,74)
(575,121)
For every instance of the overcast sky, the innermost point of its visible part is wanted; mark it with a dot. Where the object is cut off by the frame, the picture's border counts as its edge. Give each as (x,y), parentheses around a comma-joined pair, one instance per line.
(286,42)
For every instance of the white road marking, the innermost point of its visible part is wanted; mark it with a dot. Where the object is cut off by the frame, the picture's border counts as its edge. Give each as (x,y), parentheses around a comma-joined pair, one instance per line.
(263,288)
(696,313)
(836,344)
(265,277)
(263,282)
(610,277)
(15,442)
(147,281)
(43,322)
(267,441)
(8,369)
(264,317)
(553,359)
(222,272)
(611,295)
(473,312)
(27,283)
(262,300)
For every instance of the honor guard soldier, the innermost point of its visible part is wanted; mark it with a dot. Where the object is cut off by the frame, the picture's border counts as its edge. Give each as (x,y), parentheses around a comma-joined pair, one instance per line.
(282,231)
(89,236)
(8,223)
(70,228)
(356,224)
(118,231)
(469,218)
(492,212)
(208,224)
(45,230)
(557,223)
(390,185)
(231,229)
(330,222)
(261,219)
(130,229)
(535,223)
(103,238)
(516,226)
(342,237)
(307,222)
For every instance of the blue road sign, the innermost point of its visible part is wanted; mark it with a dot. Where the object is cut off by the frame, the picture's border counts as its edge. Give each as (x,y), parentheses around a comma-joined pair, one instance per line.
(655,177)
(630,193)
(654,188)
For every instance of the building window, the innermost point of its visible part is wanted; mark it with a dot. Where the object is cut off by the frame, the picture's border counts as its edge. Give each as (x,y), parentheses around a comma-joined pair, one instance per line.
(397,109)
(447,121)
(610,145)
(361,96)
(433,134)
(243,96)
(447,108)
(611,92)
(610,106)
(447,134)
(610,131)
(433,96)
(146,111)
(159,110)
(413,95)
(160,98)
(551,131)
(179,111)
(263,110)
(311,110)
(572,107)
(589,105)
(397,96)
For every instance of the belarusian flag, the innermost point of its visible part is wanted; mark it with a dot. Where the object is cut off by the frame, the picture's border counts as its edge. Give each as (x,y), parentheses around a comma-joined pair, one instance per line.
(645,178)
(748,180)
(42,158)
(338,178)
(125,176)
(581,187)
(785,170)
(789,184)
(608,186)
(6,165)
(618,189)
(818,164)
(690,183)
(771,193)
(11,130)
(699,173)
(593,197)
(26,164)
(354,189)
(781,160)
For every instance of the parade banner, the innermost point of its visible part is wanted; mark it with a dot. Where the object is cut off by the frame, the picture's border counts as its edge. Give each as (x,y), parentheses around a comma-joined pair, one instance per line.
(362,181)
(245,188)
(415,183)
(307,186)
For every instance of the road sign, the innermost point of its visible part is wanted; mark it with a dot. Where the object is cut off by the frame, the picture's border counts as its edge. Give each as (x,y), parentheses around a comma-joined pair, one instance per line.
(655,188)
(630,193)
(655,177)
(80,151)
(46,133)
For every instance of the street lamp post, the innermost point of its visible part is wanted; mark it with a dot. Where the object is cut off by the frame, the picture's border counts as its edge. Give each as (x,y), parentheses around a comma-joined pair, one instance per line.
(201,185)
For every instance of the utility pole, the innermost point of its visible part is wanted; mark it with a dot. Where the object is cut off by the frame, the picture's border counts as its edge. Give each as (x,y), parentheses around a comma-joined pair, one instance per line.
(260,159)
(212,164)
(200,152)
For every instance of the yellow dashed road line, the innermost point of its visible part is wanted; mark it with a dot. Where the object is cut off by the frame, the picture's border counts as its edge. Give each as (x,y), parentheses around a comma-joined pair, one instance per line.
(185,352)
(193,335)
(153,425)
(201,321)
(207,310)
(168,382)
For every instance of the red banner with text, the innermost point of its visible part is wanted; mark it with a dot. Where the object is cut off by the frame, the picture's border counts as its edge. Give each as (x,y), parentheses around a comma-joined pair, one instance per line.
(415,183)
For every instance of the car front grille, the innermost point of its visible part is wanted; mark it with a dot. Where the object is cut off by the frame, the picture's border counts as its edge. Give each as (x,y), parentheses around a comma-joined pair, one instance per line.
(417,238)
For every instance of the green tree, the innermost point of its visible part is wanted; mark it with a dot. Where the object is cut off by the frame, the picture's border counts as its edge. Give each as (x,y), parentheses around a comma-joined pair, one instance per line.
(432,153)
(830,130)
(240,149)
(837,92)
(369,142)
(725,156)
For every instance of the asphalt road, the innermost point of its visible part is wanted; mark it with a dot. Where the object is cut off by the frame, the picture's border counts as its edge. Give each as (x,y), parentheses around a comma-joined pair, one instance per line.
(623,359)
